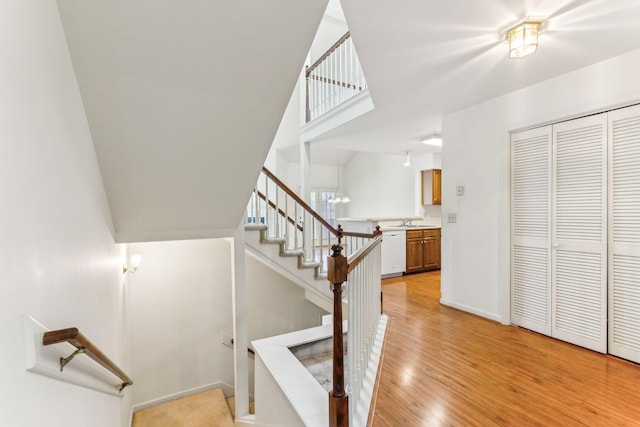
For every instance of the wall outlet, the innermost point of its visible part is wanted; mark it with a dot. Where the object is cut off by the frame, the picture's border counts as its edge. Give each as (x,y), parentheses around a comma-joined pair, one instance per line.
(460,190)
(452,218)
(227,340)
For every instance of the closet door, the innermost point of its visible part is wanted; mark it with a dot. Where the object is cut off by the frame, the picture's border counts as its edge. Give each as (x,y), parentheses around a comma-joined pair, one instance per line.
(579,232)
(531,229)
(624,233)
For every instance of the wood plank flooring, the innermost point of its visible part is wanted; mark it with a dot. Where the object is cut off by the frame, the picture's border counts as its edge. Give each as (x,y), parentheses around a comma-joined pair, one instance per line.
(445,367)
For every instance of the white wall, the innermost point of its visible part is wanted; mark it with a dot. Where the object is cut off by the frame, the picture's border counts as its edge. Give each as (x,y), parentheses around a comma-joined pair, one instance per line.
(475,250)
(379,186)
(58,258)
(181,305)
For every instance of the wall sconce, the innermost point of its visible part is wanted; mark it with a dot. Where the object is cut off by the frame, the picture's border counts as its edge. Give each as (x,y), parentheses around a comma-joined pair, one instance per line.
(434,139)
(523,38)
(134,263)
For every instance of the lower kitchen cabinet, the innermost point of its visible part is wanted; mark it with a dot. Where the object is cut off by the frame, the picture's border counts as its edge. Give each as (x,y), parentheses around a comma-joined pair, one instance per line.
(423,250)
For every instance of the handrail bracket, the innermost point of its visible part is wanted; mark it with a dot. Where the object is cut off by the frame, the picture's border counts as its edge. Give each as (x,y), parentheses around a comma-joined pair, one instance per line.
(65,360)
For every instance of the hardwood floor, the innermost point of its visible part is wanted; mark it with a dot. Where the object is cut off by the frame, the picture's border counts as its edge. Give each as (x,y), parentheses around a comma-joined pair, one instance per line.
(445,367)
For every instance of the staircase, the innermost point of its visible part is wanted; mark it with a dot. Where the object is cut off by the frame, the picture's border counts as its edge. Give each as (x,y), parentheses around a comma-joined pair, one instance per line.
(285,233)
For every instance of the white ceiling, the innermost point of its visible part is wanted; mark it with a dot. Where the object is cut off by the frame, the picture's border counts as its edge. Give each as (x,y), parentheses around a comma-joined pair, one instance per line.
(183,100)
(424,59)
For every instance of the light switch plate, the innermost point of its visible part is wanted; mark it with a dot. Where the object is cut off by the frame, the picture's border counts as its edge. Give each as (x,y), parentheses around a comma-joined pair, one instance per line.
(460,190)
(452,218)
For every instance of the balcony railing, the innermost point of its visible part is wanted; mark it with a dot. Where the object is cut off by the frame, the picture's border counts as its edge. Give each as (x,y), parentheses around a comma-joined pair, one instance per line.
(334,78)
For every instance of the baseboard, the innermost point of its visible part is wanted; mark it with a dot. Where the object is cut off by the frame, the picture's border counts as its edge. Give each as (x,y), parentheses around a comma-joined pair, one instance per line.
(471,310)
(227,389)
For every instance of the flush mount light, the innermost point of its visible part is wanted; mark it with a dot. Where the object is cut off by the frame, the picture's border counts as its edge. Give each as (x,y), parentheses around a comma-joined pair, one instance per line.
(523,38)
(434,139)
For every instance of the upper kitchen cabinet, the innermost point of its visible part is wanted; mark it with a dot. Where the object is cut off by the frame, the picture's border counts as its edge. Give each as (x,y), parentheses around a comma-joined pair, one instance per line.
(431,187)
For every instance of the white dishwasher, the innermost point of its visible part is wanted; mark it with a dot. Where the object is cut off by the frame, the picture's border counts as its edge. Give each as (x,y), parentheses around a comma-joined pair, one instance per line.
(394,253)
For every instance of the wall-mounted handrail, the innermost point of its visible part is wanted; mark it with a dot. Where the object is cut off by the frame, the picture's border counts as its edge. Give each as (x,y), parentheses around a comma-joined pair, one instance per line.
(74,337)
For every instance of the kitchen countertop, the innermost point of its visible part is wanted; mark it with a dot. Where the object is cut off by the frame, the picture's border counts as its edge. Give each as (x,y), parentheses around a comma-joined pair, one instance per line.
(413,227)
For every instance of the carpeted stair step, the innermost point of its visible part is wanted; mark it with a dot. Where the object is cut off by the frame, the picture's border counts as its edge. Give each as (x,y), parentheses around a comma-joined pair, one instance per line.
(206,409)
(231,401)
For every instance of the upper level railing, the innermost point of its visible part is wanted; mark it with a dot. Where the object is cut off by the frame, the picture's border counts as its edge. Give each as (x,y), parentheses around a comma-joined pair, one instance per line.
(335,77)
(361,273)
(74,337)
(293,222)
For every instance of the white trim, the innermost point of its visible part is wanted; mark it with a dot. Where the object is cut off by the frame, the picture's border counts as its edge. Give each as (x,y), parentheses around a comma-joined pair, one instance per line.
(240,316)
(470,309)
(163,235)
(226,389)
(353,107)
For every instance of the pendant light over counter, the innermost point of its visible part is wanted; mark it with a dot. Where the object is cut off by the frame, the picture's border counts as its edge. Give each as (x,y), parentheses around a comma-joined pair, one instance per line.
(339,197)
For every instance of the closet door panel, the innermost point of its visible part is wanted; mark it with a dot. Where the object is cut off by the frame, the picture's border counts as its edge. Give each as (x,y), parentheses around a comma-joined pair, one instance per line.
(531,229)
(624,233)
(579,232)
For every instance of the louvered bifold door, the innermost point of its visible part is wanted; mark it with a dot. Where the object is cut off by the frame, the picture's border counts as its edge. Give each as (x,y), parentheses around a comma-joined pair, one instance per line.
(579,232)
(531,229)
(624,233)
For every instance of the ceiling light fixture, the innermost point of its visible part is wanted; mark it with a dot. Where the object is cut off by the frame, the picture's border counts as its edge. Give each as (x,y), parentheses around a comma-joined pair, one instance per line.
(407,161)
(434,139)
(339,197)
(523,38)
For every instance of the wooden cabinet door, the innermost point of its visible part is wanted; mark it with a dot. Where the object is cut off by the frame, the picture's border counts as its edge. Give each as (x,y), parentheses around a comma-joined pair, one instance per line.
(431,249)
(437,186)
(431,182)
(414,255)
(431,253)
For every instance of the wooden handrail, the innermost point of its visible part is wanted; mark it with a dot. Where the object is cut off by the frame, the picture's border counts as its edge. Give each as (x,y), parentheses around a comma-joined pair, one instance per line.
(280,211)
(339,232)
(357,257)
(327,53)
(74,337)
(335,82)
(301,202)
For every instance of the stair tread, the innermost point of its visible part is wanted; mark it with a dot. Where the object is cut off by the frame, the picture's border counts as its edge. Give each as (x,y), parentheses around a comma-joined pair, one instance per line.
(277,240)
(309,264)
(255,227)
(291,253)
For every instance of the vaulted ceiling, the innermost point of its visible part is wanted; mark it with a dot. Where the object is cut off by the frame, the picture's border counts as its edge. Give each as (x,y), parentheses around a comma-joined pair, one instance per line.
(184,98)
(423,59)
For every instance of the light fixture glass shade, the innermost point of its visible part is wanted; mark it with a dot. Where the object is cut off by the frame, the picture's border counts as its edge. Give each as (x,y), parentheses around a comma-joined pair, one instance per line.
(407,161)
(523,39)
(339,198)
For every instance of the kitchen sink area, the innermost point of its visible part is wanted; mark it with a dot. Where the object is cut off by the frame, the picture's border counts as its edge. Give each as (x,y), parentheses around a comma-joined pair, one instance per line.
(409,245)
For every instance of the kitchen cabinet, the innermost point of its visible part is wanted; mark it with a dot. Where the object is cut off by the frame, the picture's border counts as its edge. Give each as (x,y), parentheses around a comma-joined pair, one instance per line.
(431,187)
(423,250)
(393,248)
